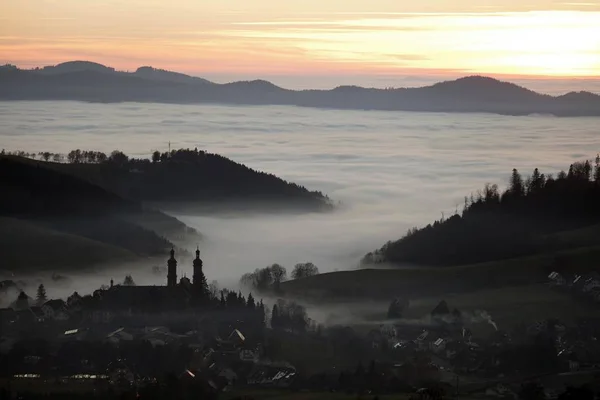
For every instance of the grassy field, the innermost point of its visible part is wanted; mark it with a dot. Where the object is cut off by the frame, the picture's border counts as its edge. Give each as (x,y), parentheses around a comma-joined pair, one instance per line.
(422,282)
(513,292)
(511,306)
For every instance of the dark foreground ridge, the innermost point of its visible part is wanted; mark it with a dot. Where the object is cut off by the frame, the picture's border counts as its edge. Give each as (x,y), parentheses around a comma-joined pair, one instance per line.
(71,223)
(85,81)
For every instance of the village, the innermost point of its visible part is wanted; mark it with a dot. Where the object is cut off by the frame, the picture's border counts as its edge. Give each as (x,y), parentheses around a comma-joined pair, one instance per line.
(141,341)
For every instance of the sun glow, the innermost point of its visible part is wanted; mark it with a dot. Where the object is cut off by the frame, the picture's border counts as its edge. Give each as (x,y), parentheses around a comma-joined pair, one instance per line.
(205,38)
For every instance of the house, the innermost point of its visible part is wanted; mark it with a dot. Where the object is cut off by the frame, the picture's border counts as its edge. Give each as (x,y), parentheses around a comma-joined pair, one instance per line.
(556,279)
(438,346)
(500,391)
(421,341)
(38,313)
(8,316)
(55,310)
(75,302)
(272,374)
(119,335)
(233,342)
(74,334)
(229,376)
(236,338)
(98,316)
(249,355)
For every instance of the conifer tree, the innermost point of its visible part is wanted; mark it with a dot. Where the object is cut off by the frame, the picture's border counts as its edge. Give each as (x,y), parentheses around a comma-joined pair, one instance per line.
(516,184)
(275,322)
(251,303)
(41,294)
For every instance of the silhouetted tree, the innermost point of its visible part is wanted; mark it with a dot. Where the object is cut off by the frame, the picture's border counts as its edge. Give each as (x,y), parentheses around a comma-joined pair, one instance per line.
(396,308)
(262,313)
(118,158)
(41,294)
(22,301)
(275,321)
(516,187)
(304,270)
(279,274)
(203,289)
(156,156)
(74,299)
(232,299)
(265,278)
(128,281)
(75,156)
(213,290)
(251,303)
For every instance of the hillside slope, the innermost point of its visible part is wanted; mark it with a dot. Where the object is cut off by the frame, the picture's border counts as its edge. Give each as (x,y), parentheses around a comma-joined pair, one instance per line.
(26,246)
(75,81)
(417,282)
(195,178)
(532,216)
(81,215)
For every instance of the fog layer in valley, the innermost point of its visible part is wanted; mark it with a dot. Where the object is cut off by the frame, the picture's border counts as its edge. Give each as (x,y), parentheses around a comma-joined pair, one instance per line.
(391,170)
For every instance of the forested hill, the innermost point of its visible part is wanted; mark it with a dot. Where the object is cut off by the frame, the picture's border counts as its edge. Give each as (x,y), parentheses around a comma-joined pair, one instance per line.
(85,81)
(193,178)
(535,215)
(43,207)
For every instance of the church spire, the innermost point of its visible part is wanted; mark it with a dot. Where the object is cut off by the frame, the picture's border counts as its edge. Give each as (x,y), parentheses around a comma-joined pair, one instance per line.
(172,270)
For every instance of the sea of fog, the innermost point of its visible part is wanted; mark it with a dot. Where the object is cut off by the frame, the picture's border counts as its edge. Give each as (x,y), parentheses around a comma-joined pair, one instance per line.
(391,170)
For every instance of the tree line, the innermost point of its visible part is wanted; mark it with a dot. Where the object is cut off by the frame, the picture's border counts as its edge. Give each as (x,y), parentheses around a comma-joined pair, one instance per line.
(497,225)
(269,278)
(192,174)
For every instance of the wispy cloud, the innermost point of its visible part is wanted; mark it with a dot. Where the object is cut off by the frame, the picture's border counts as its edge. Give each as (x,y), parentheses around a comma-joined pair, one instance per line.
(562,43)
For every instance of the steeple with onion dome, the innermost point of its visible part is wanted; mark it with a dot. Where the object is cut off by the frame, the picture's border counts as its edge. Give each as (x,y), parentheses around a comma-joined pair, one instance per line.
(172,270)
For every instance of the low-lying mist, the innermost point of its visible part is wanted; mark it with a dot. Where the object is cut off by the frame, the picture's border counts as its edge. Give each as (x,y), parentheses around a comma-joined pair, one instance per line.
(391,171)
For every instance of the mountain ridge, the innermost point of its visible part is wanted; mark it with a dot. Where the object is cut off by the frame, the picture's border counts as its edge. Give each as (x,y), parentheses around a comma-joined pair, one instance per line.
(83,81)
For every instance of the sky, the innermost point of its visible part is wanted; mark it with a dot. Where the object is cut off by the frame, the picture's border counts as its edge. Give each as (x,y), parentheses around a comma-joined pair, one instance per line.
(376,42)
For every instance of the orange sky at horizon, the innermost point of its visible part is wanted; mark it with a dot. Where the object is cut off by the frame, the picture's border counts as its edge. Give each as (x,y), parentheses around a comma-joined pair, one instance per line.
(377,37)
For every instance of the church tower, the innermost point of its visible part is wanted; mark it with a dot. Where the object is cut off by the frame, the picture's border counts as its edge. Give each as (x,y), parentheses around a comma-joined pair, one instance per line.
(172,270)
(198,277)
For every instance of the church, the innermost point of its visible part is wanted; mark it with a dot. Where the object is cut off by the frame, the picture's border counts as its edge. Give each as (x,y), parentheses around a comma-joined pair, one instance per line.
(149,299)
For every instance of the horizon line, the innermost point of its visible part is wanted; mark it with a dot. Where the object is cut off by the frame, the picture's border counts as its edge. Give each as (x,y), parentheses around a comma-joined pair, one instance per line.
(437,76)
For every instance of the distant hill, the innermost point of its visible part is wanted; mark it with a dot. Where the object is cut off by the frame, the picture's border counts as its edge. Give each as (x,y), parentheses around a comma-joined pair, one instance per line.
(75,66)
(164,75)
(85,81)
